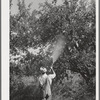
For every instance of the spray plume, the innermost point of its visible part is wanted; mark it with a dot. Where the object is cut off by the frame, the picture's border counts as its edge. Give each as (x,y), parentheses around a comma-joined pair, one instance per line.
(54,50)
(58,47)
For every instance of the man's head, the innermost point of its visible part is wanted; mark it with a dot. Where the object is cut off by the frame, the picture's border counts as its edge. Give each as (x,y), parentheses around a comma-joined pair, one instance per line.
(43,69)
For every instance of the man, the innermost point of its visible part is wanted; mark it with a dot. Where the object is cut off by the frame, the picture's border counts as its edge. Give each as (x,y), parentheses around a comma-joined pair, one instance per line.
(45,83)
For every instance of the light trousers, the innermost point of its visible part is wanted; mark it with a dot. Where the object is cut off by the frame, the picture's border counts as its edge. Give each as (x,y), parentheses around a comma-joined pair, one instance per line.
(49,98)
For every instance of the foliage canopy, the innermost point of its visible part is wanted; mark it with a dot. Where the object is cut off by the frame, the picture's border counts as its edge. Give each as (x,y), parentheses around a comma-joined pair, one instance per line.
(75,20)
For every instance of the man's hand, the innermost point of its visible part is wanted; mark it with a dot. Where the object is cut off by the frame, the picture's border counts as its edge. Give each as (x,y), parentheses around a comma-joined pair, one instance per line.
(51,67)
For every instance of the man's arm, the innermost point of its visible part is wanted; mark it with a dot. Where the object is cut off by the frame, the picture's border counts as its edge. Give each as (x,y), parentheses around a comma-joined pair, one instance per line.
(54,74)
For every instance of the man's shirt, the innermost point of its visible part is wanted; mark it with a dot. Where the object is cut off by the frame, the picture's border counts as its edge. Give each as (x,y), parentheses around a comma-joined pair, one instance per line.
(42,78)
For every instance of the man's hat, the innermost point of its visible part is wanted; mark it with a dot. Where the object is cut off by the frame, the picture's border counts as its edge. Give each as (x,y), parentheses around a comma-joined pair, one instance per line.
(43,69)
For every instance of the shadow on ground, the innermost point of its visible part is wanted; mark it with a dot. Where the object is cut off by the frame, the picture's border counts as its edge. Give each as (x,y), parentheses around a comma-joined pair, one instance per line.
(31,92)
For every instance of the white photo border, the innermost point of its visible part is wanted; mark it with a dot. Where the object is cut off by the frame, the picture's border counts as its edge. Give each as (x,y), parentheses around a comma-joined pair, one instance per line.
(5,50)
(5,25)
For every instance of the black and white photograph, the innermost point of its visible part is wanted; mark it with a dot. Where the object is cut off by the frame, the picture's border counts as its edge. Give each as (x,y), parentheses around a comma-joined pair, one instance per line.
(52,50)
